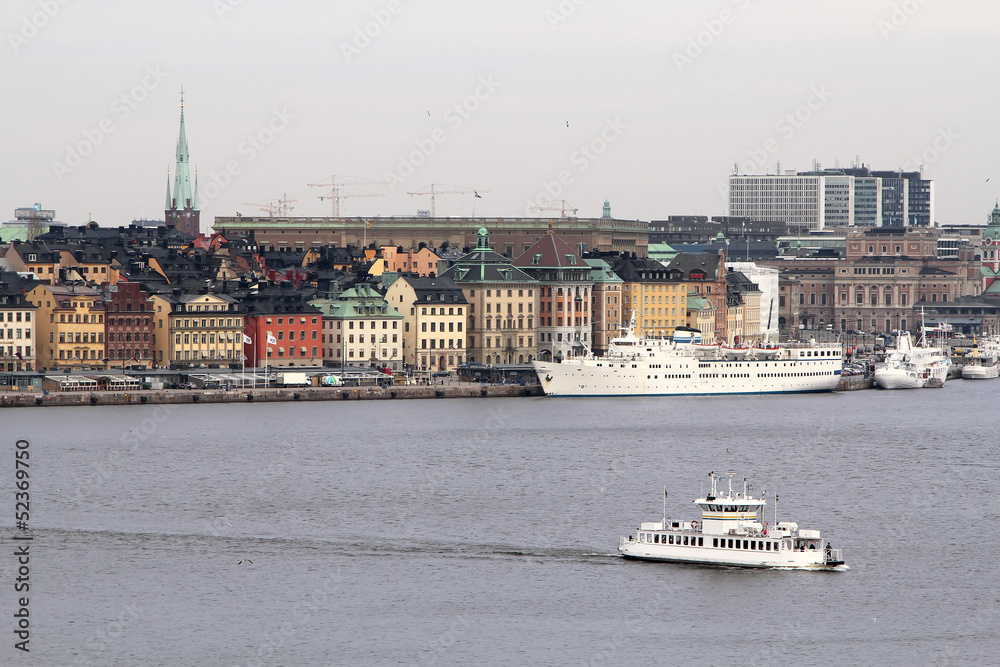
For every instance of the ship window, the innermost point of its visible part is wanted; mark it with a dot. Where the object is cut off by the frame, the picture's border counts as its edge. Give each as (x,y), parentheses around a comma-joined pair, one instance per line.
(701,541)
(745,546)
(767,546)
(656,538)
(730,544)
(715,541)
(753,545)
(685,540)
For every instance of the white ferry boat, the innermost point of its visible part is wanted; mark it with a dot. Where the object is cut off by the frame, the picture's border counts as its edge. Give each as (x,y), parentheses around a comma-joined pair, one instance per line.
(637,366)
(912,366)
(984,363)
(731,533)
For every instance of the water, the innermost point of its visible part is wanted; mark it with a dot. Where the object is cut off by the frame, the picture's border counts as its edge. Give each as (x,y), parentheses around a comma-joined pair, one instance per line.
(483,531)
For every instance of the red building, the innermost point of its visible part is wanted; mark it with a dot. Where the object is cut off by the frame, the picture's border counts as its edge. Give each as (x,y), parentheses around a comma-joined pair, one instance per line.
(129,327)
(296,336)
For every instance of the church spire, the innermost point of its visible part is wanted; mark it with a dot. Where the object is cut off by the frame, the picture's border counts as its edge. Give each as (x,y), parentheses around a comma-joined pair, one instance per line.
(166,206)
(183,210)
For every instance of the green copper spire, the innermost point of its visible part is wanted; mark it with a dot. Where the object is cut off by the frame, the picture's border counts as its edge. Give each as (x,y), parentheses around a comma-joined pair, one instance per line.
(607,209)
(166,207)
(182,176)
(195,205)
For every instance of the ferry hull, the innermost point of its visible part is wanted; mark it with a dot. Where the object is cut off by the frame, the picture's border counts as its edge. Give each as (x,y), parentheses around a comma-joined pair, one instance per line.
(716,377)
(788,560)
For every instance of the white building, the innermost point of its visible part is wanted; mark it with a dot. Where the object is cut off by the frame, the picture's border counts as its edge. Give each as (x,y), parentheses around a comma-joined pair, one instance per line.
(767,281)
(798,201)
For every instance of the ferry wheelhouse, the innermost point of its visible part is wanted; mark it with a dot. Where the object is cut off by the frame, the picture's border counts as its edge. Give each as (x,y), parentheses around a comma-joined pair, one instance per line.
(731,533)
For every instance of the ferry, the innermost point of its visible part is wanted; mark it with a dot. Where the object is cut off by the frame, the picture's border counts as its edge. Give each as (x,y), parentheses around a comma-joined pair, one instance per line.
(731,533)
(984,362)
(683,365)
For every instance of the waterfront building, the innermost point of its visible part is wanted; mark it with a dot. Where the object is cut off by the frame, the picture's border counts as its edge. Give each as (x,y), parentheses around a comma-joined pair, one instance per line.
(564,323)
(656,296)
(435,312)
(705,275)
(204,329)
(512,236)
(55,263)
(360,329)
(701,315)
(742,309)
(130,333)
(181,209)
(283,314)
(605,306)
(69,326)
(17,330)
(503,305)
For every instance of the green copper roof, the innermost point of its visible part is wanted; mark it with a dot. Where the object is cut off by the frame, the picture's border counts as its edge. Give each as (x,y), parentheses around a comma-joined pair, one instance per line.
(182,176)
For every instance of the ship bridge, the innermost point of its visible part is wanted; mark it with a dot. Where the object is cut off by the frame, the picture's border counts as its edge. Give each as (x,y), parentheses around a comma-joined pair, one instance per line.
(729,512)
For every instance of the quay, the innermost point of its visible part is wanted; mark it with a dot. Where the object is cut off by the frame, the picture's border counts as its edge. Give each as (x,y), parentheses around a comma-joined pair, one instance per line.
(19,399)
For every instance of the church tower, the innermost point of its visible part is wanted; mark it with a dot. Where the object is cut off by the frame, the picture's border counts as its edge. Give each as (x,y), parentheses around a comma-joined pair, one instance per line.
(182,209)
(990,269)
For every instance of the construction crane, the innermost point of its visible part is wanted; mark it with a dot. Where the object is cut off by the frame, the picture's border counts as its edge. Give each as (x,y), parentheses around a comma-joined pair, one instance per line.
(281,208)
(353,185)
(434,190)
(564,207)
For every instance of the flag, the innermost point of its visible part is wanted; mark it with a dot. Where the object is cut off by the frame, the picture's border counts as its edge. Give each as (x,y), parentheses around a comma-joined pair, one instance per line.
(244,357)
(19,357)
(247,340)
(271,340)
(368,224)
(478,196)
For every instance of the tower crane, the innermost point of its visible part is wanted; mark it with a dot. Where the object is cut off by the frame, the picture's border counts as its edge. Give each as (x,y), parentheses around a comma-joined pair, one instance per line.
(282,207)
(563,207)
(342,187)
(435,189)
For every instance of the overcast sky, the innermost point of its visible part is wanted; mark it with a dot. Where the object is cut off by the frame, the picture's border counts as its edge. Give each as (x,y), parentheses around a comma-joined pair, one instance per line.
(648,104)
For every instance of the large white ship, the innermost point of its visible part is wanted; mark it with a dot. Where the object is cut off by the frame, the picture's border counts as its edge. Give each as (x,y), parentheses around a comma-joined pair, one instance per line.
(683,365)
(733,533)
(912,366)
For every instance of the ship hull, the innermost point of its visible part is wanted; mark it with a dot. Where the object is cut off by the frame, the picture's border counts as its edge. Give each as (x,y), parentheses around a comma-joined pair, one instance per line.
(687,377)
(805,560)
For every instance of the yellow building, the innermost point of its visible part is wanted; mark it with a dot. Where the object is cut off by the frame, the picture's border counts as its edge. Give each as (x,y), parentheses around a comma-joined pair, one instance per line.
(201,329)
(69,326)
(435,314)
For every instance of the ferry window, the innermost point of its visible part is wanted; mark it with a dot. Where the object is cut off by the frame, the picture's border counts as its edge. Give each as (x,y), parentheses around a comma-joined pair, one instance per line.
(745,546)
(656,538)
(701,541)
(685,540)
(753,545)
(767,546)
(730,544)
(715,541)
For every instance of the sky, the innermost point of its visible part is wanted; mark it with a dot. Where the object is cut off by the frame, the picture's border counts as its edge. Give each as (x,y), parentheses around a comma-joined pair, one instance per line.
(648,104)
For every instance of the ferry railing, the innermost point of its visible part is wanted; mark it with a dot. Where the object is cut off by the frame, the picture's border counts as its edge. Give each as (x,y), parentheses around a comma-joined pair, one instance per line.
(834,555)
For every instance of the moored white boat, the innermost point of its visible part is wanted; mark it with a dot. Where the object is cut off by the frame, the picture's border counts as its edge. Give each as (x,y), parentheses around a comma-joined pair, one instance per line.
(731,533)
(984,363)
(636,366)
(911,366)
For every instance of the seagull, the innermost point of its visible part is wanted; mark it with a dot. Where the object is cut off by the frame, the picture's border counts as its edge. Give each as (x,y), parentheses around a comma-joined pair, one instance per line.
(567,123)
(428,113)
(245,560)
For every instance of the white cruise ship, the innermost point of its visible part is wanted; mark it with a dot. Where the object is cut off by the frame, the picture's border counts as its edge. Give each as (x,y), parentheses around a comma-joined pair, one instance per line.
(682,366)
(732,533)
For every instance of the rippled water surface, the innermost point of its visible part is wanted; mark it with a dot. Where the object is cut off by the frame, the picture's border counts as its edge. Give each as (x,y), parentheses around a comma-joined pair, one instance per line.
(484,531)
